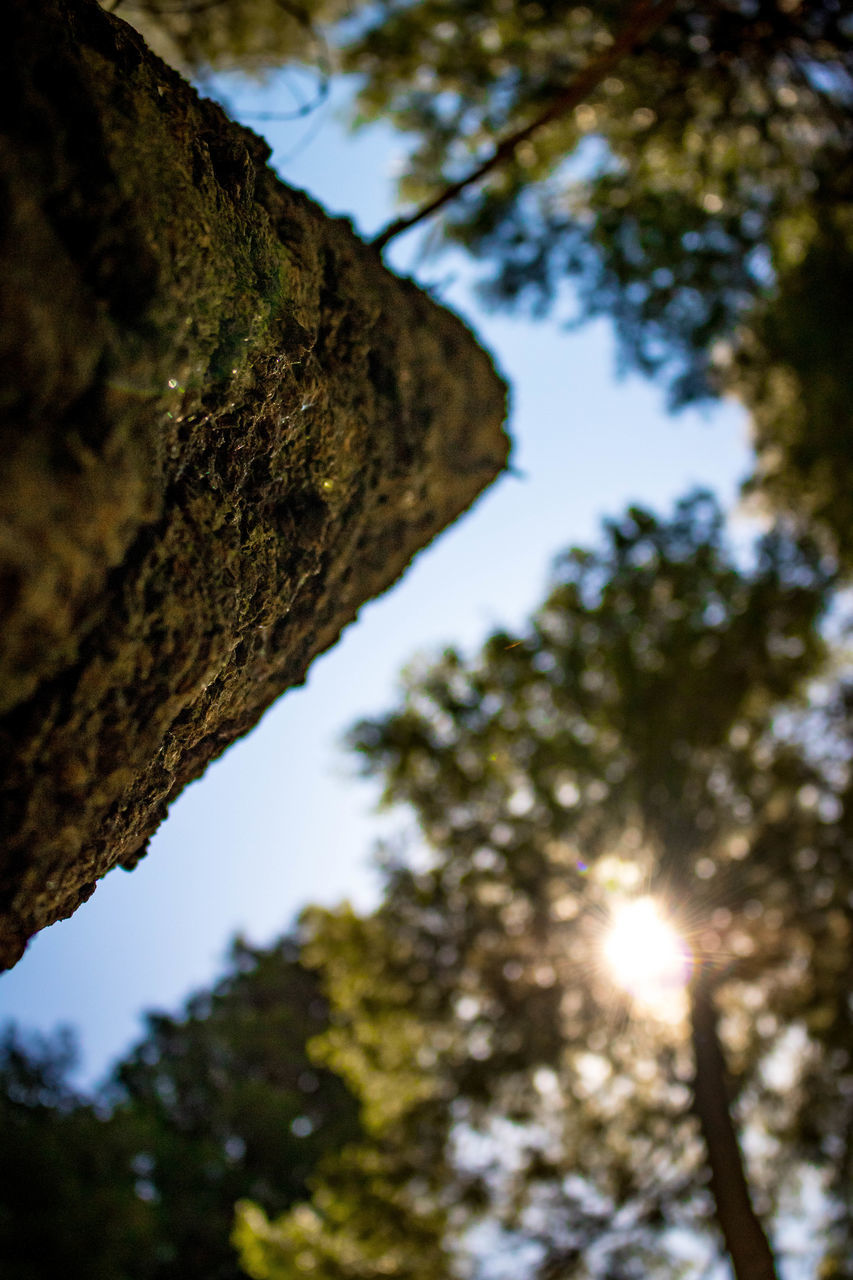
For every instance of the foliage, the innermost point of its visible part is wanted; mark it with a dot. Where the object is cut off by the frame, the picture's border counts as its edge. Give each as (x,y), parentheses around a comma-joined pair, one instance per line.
(650,732)
(378,1209)
(250,36)
(792,368)
(694,166)
(140,1183)
(67,1204)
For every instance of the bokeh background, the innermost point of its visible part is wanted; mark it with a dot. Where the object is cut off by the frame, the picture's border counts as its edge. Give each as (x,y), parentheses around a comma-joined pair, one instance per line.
(282,820)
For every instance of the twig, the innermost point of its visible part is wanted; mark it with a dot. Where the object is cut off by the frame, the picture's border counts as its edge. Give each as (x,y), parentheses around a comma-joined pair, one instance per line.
(646,17)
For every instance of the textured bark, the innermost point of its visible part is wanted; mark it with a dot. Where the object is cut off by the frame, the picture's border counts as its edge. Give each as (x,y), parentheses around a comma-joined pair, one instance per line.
(745,1240)
(224,426)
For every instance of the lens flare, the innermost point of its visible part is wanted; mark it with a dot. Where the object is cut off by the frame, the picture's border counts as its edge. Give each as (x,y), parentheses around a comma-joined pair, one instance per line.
(647,957)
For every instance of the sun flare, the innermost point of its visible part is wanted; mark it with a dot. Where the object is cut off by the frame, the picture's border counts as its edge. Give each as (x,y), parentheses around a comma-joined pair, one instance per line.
(647,957)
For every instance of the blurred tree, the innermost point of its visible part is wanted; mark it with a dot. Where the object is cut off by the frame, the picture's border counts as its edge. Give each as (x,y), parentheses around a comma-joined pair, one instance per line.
(696,188)
(228,1104)
(250,36)
(140,1183)
(698,194)
(649,740)
(67,1202)
(792,367)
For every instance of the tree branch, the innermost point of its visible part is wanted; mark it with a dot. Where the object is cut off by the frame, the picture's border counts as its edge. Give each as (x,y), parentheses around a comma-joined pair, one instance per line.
(645,18)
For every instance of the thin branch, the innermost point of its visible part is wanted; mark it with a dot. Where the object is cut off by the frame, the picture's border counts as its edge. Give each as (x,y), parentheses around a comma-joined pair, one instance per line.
(645,19)
(299,112)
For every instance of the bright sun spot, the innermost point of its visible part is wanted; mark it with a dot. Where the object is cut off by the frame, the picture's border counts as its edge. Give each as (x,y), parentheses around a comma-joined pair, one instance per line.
(647,957)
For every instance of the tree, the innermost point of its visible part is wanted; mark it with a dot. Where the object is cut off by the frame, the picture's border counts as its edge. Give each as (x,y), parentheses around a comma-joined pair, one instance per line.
(697,190)
(661,734)
(67,1202)
(790,368)
(699,195)
(224,427)
(228,1103)
(139,1182)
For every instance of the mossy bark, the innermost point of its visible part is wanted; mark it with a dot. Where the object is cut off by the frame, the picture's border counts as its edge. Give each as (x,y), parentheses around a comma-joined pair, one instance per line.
(224,426)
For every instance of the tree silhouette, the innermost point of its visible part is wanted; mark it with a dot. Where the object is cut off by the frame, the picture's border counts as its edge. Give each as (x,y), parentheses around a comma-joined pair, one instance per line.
(139,1182)
(660,734)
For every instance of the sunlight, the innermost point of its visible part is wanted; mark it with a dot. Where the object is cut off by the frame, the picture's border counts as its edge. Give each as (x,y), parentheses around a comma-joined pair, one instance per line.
(647,957)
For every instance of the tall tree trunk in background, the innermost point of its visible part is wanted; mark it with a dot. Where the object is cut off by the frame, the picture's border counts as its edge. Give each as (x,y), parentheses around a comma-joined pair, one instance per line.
(744,1236)
(224,427)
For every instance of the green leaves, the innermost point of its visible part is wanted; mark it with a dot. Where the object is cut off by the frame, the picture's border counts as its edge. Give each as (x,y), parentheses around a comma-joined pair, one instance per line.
(793,370)
(709,135)
(656,730)
(699,196)
(362,1224)
(376,1043)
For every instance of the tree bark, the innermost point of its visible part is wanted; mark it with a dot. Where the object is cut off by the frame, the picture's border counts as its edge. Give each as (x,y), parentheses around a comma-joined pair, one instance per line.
(744,1236)
(224,426)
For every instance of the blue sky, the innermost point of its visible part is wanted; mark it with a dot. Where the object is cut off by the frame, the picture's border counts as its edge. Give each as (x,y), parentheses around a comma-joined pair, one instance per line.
(281,819)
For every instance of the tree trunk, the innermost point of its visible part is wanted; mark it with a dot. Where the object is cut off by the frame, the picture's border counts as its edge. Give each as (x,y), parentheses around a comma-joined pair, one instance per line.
(224,426)
(745,1240)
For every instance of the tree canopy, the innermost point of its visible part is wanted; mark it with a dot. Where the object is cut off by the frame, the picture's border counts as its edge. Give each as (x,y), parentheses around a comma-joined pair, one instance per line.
(139,1182)
(698,193)
(665,731)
